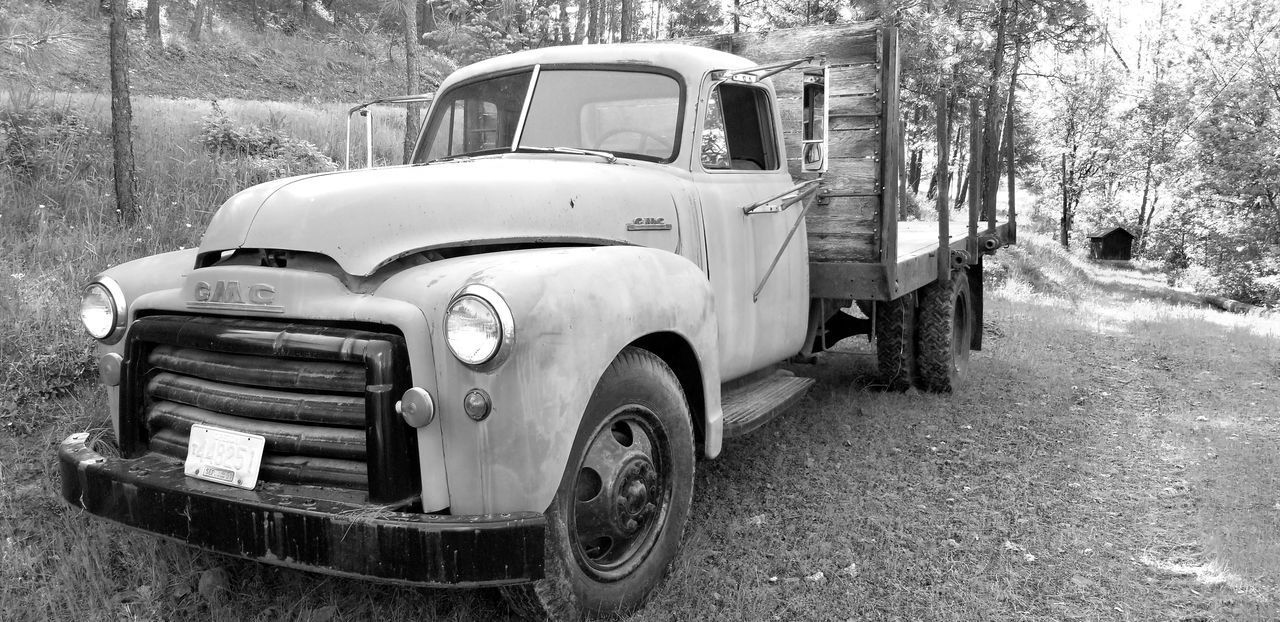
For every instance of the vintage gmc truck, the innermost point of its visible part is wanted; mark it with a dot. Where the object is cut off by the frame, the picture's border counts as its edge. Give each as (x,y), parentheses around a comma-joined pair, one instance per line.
(498,363)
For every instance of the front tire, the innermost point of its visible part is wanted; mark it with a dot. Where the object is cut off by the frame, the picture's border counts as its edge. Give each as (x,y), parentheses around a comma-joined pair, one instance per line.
(615,524)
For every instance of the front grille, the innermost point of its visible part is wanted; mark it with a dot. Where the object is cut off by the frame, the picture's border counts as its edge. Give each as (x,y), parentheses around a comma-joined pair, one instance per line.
(323,398)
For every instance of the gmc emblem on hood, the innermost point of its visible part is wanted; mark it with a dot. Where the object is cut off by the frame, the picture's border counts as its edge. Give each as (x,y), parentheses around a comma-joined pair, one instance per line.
(649,224)
(229,295)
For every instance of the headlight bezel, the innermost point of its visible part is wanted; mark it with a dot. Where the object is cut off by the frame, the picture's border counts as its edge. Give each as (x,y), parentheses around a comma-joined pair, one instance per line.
(115,296)
(506,333)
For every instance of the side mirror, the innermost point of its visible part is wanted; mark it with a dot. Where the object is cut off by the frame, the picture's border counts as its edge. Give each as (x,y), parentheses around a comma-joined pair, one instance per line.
(814,121)
(364,111)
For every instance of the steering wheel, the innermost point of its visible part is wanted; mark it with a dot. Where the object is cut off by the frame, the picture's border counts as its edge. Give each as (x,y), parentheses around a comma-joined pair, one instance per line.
(664,145)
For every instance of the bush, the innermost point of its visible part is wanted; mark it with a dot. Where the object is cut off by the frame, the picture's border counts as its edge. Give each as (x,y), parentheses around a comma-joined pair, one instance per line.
(264,152)
(1253,282)
(39,141)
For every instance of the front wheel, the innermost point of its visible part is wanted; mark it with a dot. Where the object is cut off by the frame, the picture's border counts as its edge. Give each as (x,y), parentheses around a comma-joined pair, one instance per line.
(619,513)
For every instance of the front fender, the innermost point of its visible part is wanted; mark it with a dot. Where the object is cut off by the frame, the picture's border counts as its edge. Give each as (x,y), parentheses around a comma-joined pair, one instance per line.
(136,278)
(574,310)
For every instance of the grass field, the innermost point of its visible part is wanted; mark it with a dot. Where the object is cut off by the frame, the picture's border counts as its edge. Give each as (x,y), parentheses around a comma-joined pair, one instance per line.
(58,225)
(1113,457)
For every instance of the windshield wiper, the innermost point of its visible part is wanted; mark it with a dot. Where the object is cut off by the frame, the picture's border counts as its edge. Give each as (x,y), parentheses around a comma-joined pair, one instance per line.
(608,157)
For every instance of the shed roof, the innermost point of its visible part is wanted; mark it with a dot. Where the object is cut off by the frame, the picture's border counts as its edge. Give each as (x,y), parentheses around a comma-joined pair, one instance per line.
(1106,232)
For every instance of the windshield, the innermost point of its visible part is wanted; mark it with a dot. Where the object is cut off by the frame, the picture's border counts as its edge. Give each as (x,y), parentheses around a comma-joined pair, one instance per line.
(628,113)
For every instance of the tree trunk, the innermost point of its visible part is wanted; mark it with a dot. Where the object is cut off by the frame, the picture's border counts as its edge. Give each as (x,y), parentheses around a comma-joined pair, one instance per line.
(424,19)
(991,129)
(625,29)
(580,27)
(197,20)
(121,115)
(411,111)
(258,23)
(914,169)
(1151,218)
(303,11)
(1065,223)
(962,174)
(1146,194)
(593,26)
(208,16)
(1009,151)
(566,33)
(962,192)
(153,23)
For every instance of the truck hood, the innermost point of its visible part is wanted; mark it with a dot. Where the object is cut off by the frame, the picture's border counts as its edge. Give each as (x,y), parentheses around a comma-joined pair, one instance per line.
(364,219)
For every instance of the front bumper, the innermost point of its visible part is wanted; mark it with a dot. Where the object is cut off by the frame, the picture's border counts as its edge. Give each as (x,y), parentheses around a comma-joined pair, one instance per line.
(282,527)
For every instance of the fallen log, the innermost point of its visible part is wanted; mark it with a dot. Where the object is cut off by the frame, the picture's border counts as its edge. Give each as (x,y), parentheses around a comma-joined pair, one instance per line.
(1227,304)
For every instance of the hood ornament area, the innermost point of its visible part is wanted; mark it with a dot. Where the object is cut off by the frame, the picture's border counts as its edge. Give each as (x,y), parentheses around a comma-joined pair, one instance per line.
(231,296)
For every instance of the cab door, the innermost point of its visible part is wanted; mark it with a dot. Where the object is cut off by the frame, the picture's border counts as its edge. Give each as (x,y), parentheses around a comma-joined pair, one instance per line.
(762,313)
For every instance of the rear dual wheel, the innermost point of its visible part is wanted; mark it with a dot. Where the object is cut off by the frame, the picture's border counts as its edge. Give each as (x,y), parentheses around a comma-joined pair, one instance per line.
(944,334)
(615,524)
(923,338)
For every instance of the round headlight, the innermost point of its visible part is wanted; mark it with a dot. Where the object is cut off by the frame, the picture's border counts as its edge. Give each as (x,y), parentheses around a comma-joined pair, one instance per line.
(473,330)
(98,311)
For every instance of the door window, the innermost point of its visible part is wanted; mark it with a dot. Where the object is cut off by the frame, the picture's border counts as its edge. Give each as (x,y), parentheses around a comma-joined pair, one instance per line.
(738,132)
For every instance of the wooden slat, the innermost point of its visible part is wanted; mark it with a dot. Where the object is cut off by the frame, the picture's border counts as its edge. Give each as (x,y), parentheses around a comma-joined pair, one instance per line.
(791,108)
(856,280)
(852,176)
(842,229)
(845,81)
(853,123)
(853,80)
(826,213)
(890,158)
(842,43)
(840,144)
(850,244)
(861,105)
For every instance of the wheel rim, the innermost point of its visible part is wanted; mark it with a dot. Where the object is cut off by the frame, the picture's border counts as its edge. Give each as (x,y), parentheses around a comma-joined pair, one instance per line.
(622,492)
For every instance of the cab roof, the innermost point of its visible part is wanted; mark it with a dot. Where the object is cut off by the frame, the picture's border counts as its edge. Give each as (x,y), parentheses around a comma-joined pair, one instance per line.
(689,61)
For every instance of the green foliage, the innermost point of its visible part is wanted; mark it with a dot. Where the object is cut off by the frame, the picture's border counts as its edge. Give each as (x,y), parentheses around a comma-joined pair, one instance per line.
(267,152)
(38,140)
(688,18)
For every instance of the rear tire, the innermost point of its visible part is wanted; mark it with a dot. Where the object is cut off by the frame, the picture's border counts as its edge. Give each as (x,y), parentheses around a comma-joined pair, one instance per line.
(617,519)
(895,332)
(945,333)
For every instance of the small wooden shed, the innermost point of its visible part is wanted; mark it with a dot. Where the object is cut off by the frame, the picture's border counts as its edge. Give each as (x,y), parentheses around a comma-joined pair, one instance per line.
(1114,243)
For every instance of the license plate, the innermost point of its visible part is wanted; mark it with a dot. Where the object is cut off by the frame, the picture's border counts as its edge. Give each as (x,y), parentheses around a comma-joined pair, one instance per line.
(224,456)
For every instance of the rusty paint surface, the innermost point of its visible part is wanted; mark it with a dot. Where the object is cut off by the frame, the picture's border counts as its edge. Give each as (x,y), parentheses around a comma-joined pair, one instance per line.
(366,218)
(575,310)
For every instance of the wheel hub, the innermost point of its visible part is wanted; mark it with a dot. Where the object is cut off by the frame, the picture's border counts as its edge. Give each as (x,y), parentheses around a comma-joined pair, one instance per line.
(632,506)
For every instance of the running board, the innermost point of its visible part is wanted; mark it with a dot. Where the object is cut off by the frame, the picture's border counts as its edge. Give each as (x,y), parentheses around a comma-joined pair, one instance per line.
(751,405)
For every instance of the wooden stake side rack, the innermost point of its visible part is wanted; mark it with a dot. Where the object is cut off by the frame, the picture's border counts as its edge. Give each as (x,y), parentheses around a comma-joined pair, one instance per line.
(858,247)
